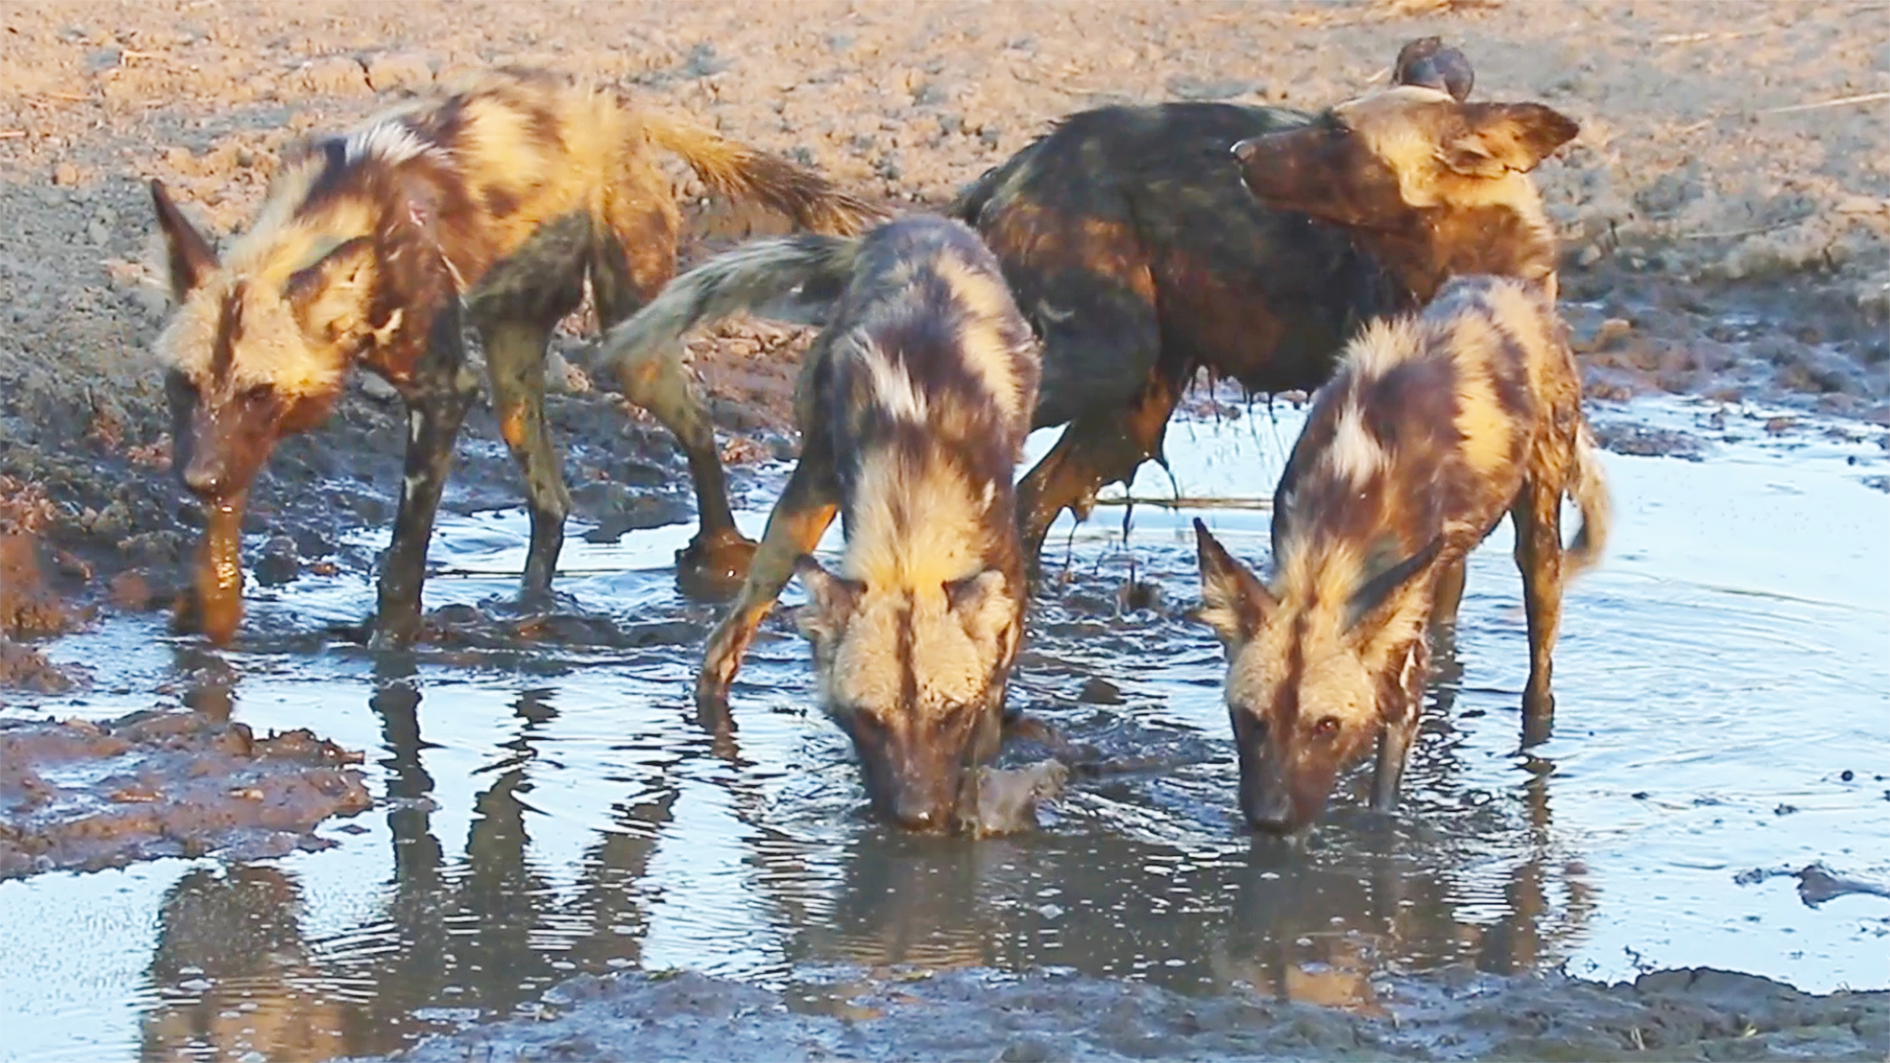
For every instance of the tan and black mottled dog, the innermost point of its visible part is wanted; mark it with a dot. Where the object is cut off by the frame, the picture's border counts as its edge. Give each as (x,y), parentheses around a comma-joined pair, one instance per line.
(499,198)
(913,404)
(1433,427)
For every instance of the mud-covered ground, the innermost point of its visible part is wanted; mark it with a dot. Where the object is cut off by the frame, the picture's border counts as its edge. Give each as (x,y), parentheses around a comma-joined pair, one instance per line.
(1452,1014)
(1726,218)
(81,796)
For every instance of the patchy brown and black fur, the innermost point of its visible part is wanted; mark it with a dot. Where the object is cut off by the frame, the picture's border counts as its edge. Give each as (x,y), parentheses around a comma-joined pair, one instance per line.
(496,199)
(1428,185)
(1433,428)
(913,405)
(1130,244)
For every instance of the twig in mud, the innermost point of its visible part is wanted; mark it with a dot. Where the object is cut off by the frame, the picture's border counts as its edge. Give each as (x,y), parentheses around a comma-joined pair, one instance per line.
(69,97)
(1841,101)
(130,54)
(1694,38)
(1184,502)
(1730,234)
(12,134)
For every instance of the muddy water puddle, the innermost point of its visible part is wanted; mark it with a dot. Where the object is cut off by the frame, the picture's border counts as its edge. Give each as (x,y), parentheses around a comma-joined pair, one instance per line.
(555,807)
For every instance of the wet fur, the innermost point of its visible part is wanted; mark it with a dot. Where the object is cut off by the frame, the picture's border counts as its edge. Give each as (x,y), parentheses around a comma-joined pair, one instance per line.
(914,404)
(1432,430)
(1139,258)
(498,197)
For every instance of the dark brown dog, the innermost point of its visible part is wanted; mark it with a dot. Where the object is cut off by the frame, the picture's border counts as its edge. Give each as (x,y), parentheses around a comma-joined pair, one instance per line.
(1131,246)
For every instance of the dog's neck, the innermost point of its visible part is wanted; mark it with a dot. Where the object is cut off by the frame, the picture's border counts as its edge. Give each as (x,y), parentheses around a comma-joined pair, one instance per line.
(1438,244)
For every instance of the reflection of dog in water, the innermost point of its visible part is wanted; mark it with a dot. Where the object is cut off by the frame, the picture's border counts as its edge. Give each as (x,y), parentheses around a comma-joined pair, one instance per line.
(231,973)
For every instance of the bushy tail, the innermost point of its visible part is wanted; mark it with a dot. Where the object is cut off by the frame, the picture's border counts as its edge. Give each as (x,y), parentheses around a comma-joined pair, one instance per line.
(744,173)
(749,276)
(1588,487)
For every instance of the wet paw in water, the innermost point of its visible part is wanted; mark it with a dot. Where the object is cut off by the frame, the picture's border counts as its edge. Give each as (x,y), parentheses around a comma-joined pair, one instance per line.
(713,568)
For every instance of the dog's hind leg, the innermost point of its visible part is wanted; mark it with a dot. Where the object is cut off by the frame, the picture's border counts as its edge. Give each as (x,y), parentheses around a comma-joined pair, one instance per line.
(1098,448)
(629,265)
(515,359)
(1537,514)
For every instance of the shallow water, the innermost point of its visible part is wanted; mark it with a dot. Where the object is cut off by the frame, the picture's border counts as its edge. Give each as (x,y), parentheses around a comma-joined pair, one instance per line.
(556,808)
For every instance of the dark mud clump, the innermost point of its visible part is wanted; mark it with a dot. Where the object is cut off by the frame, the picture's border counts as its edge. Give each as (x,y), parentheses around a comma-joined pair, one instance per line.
(971,1014)
(27,610)
(83,796)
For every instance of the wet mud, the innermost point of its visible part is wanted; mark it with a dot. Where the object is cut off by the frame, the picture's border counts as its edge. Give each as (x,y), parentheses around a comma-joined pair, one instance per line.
(79,796)
(969,1014)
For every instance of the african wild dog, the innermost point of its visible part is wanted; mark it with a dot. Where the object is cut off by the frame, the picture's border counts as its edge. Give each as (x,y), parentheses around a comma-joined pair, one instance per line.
(1427,185)
(1130,244)
(498,197)
(1432,428)
(913,406)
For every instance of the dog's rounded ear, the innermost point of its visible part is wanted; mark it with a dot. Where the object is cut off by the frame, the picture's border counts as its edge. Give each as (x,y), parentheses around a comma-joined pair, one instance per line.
(1500,137)
(831,600)
(1430,63)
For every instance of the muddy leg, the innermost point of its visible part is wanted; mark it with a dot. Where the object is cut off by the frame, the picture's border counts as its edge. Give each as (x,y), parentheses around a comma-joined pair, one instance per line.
(1449,594)
(1537,514)
(438,396)
(515,358)
(1094,450)
(630,265)
(1401,728)
(719,554)
(800,518)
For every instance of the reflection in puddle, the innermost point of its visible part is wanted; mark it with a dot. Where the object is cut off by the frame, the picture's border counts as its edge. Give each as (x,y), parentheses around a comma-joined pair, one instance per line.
(560,808)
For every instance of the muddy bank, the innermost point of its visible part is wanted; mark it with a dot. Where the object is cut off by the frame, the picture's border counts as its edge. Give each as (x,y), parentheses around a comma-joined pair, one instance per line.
(83,796)
(971,1014)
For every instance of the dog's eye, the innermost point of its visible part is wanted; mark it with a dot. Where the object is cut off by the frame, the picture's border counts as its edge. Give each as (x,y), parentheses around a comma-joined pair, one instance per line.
(1327,727)
(259,393)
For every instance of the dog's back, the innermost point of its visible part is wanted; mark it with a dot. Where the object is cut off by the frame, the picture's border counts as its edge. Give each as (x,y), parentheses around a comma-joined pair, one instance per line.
(1127,237)
(929,371)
